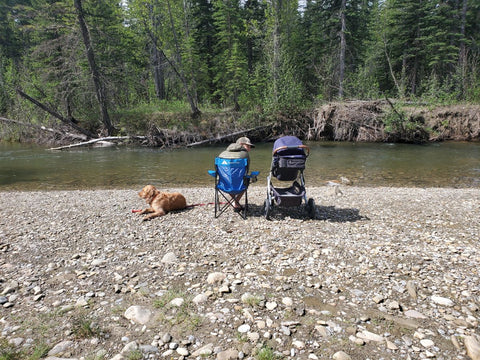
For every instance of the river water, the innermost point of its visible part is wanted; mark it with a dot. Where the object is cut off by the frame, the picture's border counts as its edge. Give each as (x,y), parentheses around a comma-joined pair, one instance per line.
(449,164)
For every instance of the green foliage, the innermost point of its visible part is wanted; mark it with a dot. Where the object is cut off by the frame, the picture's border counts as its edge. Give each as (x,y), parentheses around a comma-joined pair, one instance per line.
(84,327)
(394,121)
(250,55)
(435,92)
(182,315)
(39,351)
(9,352)
(267,353)
(134,355)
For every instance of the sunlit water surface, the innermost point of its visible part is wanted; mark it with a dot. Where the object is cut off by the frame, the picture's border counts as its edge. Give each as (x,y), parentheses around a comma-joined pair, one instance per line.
(449,164)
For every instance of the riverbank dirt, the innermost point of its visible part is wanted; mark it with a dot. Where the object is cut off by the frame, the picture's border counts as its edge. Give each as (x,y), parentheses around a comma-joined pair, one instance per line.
(380,273)
(383,121)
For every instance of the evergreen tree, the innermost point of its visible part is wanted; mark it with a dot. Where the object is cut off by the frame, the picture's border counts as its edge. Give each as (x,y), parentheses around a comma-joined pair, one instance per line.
(230,60)
(203,40)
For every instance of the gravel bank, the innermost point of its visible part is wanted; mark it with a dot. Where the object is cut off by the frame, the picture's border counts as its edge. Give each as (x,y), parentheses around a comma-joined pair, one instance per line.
(381,273)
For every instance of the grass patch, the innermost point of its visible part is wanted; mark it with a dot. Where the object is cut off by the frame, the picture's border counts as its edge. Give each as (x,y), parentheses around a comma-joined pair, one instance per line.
(267,353)
(252,300)
(84,327)
(9,352)
(134,355)
(182,316)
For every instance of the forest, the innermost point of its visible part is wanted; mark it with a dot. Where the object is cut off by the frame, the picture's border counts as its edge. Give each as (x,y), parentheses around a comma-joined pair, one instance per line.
(200,68)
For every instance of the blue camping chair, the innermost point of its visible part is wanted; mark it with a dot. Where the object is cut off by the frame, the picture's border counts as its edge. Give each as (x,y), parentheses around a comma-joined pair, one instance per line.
(231,179)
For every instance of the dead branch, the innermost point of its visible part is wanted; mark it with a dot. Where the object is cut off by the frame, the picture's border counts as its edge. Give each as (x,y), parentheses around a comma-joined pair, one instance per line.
(43,128)
(56,114)
(220,138)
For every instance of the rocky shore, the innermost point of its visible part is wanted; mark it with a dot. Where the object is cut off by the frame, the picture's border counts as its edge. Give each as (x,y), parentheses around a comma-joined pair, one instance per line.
(380,273)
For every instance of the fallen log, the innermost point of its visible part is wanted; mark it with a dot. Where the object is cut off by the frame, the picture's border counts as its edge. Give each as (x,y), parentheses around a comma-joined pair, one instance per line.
(93,141)
(236,133)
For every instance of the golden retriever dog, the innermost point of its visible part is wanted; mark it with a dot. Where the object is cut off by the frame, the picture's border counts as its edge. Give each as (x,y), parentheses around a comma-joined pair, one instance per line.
(160,202)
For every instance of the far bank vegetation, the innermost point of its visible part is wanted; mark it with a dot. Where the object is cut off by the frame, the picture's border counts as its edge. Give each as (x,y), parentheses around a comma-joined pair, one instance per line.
(165,73)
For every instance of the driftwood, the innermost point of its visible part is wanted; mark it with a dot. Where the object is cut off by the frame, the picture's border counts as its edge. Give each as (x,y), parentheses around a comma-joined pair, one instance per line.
(52,112)
(220,138)
(93,141)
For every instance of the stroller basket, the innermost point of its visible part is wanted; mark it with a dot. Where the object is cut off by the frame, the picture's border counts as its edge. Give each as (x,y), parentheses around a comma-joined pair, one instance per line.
(291,196)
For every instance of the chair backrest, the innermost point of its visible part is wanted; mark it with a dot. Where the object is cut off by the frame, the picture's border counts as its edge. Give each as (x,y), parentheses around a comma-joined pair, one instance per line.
(231,174)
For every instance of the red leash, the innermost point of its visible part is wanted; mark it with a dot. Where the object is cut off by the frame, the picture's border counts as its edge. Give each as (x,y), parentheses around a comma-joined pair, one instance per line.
(187,207)
(203,204)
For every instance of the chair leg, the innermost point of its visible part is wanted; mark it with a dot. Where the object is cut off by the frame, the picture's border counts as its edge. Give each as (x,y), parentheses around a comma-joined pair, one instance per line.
(217,204)
(230,201)
(245,207)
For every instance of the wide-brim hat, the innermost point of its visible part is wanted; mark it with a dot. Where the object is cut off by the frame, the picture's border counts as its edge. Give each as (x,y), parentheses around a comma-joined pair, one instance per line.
(245,141)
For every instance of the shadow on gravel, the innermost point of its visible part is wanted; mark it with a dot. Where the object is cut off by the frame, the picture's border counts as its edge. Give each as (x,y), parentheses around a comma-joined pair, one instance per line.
(322,213)
(331,213)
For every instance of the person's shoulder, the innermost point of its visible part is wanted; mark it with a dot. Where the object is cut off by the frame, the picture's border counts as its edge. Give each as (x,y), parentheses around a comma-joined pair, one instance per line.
(234,151)
(235,147)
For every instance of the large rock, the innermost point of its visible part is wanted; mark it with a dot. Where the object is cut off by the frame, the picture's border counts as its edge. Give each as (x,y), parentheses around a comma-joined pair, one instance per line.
(138,314)
(472,345)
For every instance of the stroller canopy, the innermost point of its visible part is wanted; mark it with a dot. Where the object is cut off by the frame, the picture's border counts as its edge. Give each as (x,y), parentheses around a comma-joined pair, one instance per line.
(289,145)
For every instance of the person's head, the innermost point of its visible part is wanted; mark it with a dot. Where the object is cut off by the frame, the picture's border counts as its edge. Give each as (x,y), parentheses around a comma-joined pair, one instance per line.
(245,142)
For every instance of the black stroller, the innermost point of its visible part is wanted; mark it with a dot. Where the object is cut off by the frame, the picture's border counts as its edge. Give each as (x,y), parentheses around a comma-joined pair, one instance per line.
(288,163)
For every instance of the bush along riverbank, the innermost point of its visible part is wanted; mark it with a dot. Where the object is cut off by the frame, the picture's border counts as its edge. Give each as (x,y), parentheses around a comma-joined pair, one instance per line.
(363,121)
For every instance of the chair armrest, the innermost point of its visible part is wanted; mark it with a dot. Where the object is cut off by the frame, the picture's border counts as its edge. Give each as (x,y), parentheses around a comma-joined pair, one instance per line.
(212,173)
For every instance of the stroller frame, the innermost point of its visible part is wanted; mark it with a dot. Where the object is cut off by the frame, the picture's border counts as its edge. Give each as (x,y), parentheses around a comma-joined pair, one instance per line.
(288,163)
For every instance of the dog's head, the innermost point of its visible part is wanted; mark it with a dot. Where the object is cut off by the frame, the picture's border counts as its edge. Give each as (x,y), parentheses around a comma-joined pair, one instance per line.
(148,193)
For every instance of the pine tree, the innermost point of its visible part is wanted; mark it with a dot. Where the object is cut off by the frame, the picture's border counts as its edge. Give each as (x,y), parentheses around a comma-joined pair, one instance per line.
(230,61)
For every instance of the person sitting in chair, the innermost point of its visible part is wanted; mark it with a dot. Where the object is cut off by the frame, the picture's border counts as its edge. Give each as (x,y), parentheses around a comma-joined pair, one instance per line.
(238,150)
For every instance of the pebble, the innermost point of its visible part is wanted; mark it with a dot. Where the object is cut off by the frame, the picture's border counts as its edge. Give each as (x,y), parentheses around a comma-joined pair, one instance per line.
(244,328)
(442,300)
(169,258)
(341,355)
(472,344)
(369,336)
(415,314)
(215,277)
(138,314)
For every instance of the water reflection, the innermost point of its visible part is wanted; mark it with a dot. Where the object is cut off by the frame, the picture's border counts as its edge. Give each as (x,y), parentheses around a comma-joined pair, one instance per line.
(442,164)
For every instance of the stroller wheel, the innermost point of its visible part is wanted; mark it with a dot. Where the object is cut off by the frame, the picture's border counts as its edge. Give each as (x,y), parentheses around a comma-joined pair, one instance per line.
(267,209)
(311,208)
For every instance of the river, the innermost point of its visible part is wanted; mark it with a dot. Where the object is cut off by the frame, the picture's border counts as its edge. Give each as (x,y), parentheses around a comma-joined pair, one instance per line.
(446,164)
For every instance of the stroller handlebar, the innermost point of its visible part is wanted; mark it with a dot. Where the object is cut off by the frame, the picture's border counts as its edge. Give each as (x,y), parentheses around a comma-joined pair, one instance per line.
(304,147)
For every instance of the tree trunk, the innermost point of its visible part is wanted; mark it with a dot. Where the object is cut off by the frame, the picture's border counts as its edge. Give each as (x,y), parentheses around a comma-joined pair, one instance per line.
(343,45)
(192,101)
(158,59)
(277,7)
(158,73)
(99,87)
(462,57)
